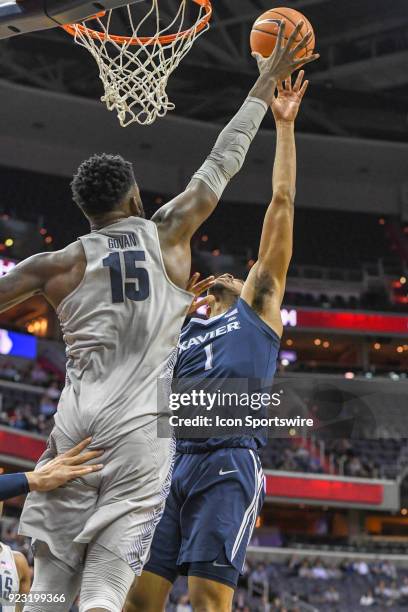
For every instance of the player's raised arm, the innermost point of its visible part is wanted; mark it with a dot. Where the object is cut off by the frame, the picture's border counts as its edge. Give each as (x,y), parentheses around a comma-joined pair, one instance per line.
(265,286)
(179,219)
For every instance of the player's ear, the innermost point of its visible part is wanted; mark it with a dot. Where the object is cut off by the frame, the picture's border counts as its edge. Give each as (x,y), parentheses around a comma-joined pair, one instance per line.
(133,205)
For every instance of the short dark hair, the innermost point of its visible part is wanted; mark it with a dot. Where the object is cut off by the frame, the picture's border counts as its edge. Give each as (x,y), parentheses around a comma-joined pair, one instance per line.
(101,182)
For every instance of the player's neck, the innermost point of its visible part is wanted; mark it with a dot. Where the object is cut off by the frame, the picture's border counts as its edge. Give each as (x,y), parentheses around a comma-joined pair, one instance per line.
(100,221)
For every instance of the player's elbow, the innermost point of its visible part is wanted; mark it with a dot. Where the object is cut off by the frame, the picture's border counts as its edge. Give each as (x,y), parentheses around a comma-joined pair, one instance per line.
(203,195)
(284,196)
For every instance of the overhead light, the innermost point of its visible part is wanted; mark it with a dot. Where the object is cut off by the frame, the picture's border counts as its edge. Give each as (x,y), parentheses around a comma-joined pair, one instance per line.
(349,375)
(317,341)
(9,242)
(377,346)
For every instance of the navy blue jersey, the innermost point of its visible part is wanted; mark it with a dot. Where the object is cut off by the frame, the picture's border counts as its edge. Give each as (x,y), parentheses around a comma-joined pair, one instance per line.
(235,345)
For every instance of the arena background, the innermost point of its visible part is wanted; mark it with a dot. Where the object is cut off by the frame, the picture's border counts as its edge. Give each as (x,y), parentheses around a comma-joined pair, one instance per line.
(334,530)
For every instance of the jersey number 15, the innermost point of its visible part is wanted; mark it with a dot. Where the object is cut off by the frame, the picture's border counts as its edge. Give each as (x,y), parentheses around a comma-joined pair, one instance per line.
(138,289)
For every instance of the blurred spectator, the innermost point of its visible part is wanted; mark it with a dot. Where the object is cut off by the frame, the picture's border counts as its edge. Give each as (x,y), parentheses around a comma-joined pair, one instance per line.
(361,568)
(367,599)
(331,595)
(47,406)
(34,413)
(37,375)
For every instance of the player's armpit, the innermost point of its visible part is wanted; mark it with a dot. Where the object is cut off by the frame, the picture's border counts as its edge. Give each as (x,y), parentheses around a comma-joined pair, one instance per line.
(264,293)
(180,218)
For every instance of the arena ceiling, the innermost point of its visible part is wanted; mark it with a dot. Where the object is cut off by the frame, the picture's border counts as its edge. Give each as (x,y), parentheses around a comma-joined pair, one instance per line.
(359,87)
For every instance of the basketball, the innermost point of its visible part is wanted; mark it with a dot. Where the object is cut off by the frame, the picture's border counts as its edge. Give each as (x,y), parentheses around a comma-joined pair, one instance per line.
(265,31)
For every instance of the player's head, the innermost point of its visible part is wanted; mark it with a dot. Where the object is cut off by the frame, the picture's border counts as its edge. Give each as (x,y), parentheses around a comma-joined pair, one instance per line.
(226,290)
(104,184)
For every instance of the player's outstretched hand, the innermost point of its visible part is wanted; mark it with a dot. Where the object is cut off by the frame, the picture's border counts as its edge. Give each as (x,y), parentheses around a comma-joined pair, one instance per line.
(64,468)
(286,104)
(281,63)
(198,288)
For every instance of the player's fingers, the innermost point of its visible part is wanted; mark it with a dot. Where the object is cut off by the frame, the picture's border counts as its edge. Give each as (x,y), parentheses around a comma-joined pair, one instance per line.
(192,281)
(80,459)
(281,34)
(78,448)
(303,89)
(78,472)
(302,44)
(280,86)
(298,82)
(208,300)
(288,83)
(208,280)
(293,36)
(203,285)
(306,60)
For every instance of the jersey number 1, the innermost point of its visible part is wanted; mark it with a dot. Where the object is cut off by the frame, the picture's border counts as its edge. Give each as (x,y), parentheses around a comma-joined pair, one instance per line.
(209,357)
(136,291)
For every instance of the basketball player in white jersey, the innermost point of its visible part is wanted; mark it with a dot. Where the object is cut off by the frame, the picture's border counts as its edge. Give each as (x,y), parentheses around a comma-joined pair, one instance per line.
(15,577)
(120,296)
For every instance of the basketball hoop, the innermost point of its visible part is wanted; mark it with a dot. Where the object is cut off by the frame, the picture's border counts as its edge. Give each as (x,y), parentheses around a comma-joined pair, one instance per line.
(135,69)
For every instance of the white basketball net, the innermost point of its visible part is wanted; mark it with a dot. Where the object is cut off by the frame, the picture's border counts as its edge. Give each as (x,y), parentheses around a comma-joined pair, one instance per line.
(135,76)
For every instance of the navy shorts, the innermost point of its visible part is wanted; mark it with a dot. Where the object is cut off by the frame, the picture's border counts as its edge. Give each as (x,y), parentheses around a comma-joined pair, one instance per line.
(209,517)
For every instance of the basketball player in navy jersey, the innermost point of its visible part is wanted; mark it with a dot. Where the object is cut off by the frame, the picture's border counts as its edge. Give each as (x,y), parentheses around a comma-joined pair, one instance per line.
(218,484)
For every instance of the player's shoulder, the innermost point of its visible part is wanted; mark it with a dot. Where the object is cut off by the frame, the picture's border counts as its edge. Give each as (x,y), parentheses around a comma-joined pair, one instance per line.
(49,265)
(248,315)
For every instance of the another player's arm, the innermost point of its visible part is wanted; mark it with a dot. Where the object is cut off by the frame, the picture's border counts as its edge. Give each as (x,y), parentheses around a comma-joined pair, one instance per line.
(28,278)
(265,286)
(180,218)
(52,275)
(22,282)
(24,574)
(53,474)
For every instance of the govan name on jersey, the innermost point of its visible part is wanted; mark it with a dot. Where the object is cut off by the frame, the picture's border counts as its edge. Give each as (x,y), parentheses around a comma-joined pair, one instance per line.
(123,242)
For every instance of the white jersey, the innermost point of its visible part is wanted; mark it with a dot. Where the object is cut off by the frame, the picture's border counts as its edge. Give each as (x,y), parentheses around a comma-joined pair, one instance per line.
(121,326)
(9,579)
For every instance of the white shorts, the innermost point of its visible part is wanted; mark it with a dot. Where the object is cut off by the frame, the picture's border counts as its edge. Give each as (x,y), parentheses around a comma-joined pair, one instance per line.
(118,507)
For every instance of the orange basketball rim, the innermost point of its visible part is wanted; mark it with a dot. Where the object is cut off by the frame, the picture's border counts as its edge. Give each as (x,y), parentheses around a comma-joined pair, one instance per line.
(166,39)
